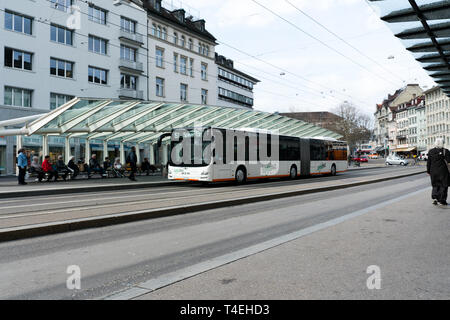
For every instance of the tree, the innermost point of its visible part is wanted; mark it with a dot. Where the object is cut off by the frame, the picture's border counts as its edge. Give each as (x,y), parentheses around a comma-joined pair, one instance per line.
(354,126)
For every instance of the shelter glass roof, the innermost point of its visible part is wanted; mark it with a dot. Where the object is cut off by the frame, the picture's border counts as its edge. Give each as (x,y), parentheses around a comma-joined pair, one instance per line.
(142,122)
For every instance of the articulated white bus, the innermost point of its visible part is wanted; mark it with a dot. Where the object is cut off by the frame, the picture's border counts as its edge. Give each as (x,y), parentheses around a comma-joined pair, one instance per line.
(218,155)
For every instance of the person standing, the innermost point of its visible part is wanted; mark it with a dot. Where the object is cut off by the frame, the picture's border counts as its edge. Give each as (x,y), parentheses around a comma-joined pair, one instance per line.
(437,168)
(22,163)
(132,160)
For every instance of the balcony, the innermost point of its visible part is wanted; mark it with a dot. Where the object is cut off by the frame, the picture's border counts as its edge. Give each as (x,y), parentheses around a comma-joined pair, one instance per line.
(133,37)
(132,65)
(131,94)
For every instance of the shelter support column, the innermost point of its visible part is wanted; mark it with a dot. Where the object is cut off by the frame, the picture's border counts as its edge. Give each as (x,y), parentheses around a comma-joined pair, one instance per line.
(122,153)
(45,147)
(138,153)
(105,149)
(152,154)
(88,151)
(19,142)
(67,149)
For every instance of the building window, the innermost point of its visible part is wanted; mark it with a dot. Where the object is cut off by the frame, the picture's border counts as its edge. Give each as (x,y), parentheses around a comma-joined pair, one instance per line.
(61,35)
(204,71)
(17,97)
(18,22)
(164,33)
(183,65)
(63,5)
(159,87)
(18,59)
(183,41)
(127,53)
(61,68)
(159,58)
(175,62)
(154,29)
(97,75)
(97,14)
(204,96)
(98,45)
(158,32)
(128,82)
(175,38)
(191,67)
(191,44)
(57,100)
(127,25)
(183,92)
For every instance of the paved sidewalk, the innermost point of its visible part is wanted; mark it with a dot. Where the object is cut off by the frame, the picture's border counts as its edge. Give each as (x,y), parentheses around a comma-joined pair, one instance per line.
(408,240)
(10,188)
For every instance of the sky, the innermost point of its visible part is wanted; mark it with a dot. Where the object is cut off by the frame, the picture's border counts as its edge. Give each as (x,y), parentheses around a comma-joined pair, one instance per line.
(303,67)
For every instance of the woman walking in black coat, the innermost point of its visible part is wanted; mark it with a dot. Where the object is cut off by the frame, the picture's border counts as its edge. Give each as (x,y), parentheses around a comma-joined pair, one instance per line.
(438,158)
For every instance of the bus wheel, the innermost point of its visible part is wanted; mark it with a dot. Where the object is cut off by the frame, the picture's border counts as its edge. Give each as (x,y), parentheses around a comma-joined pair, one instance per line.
(293,172)
(241,175)
(333,170)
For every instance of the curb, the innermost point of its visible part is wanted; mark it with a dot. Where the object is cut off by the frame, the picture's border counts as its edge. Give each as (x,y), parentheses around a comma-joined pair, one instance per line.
(10,234)
(100,188)
(45,192)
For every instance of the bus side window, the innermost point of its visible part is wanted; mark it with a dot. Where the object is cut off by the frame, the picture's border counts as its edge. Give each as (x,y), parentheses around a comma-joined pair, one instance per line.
(247,148)
(235,149)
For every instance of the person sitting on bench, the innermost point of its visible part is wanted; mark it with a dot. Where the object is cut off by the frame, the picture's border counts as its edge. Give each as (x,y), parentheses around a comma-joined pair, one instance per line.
(35,168)
(94,166)
(72,166)
(47,167)
(62,168)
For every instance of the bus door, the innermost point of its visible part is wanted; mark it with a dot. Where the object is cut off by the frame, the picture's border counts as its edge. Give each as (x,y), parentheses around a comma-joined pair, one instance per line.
(305,157)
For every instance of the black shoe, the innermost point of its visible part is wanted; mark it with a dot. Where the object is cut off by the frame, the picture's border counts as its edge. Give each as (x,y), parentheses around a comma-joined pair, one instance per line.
(435,202)
(443,203)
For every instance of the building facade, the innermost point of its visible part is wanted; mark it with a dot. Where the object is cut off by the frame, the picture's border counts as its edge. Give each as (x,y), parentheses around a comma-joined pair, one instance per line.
(235,88)
(437,116)
(387,133)
(54,50)
(181,57)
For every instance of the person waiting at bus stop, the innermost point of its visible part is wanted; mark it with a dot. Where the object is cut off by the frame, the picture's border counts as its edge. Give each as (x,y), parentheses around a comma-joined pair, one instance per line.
(72,166)
(437,168)
(47,167)
(132,160)
(94,166)
(22,162)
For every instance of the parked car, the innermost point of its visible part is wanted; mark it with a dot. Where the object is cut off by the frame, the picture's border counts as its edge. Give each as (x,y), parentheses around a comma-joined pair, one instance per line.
(396,160)
(373,156)
(361,159)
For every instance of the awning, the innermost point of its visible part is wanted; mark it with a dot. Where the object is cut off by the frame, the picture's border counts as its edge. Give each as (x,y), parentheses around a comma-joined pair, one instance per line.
(405,149)
(378,149)
(424,28)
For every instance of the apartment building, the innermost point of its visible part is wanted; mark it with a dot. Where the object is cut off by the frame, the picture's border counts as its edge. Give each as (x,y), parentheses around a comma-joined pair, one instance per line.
(411,125)
(235,88)
(385,129)
(54,50)
(181,57)
(437,116)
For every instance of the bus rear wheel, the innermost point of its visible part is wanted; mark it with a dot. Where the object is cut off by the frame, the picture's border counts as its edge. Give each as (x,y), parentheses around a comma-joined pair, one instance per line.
(293,173)
(333,170)
(241,175)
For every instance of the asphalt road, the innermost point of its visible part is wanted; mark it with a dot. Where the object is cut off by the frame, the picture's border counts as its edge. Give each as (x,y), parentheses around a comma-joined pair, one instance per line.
(118,257)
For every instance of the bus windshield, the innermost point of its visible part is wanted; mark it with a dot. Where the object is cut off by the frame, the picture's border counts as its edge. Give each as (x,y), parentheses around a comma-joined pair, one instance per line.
(179,148)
